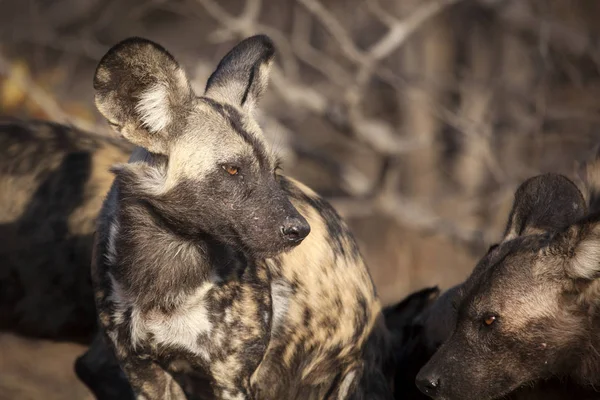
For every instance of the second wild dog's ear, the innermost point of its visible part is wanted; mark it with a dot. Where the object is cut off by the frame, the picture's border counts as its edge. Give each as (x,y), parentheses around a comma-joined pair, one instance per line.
(402,314)
(242,76)
(544,203)
(142,91)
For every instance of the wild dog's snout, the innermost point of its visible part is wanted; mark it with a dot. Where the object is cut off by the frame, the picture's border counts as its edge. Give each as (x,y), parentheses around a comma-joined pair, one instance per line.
(428,383)
(295,229)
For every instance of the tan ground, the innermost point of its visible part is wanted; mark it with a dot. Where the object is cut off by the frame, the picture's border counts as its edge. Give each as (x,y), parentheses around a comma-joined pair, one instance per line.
(39,370)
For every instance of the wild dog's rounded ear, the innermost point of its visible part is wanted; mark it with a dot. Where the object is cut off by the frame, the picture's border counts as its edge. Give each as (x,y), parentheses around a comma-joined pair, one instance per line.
(544,203)
(141,89)
(242,76)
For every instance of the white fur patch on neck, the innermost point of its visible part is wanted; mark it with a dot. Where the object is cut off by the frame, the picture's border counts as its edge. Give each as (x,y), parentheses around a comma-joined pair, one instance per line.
(346,384)
(154,108)
(281,292)
(227,395)
(179,329)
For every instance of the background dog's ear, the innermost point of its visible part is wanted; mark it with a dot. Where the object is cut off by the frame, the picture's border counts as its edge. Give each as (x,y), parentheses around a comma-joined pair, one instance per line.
(544,203)
(242,76)
(402,314)
(141,90)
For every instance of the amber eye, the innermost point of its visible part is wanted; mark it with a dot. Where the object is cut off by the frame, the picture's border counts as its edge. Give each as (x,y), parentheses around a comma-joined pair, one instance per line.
(231,170)
(489,320)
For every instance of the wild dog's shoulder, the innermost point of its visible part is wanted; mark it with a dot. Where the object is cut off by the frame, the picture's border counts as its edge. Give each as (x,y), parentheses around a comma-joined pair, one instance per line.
(338,272)
(305,196)
(324,299)
(327,226)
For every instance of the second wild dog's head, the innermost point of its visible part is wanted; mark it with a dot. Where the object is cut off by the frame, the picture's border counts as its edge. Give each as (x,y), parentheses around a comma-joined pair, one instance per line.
(527,311)
(211,171)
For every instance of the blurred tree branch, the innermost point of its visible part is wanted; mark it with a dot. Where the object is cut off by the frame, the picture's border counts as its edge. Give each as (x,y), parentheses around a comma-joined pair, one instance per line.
(440,96)
(346,114)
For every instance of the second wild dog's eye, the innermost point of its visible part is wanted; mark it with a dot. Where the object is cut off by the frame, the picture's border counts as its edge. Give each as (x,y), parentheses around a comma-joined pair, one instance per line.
(490,320)
(231,170)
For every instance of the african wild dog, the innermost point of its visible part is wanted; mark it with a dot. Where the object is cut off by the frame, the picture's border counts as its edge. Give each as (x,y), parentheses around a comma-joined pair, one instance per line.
(52,179)
(204,261)
(529,311)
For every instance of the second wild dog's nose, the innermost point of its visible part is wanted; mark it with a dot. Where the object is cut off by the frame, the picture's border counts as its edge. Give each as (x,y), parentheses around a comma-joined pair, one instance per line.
(428,385)
(295,229)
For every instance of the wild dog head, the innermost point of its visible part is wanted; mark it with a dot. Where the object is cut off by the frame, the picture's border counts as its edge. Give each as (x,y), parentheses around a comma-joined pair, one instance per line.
(527,312)
(211,172)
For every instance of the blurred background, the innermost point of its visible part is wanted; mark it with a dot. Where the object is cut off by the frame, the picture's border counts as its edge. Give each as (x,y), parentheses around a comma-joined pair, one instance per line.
(417,119)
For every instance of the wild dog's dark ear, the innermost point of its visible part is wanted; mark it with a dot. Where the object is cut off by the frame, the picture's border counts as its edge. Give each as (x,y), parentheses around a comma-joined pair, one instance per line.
(439,320)
(242,76)
(141,90)
(544,203)
(402,314)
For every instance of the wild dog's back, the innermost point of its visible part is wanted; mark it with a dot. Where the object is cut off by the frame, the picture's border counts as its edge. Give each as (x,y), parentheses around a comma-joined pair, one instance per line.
(52,180)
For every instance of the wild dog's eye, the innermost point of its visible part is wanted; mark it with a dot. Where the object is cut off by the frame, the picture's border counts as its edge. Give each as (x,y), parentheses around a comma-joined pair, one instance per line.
(489,320)
(231,170)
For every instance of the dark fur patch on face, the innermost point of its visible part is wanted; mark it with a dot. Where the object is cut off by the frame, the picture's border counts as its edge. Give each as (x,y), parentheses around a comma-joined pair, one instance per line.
(246,212)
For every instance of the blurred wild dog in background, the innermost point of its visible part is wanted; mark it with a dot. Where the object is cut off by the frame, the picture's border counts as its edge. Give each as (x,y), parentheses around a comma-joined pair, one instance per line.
(52,182)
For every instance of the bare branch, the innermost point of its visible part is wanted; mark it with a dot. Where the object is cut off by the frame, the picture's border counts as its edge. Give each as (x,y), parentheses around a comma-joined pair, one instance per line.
(412,215)
(400,30)
(300,41)
(335,28)
(246,26)
(383,15)
(378,135)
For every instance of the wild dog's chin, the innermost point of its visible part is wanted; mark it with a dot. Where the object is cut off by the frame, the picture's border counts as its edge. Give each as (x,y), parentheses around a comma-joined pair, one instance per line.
(467,381)
(271,251)
(477,395)
(470,397)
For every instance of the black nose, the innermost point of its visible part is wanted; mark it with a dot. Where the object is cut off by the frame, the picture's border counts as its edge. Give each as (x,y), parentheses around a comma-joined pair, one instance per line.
(295,229)
(429,385)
